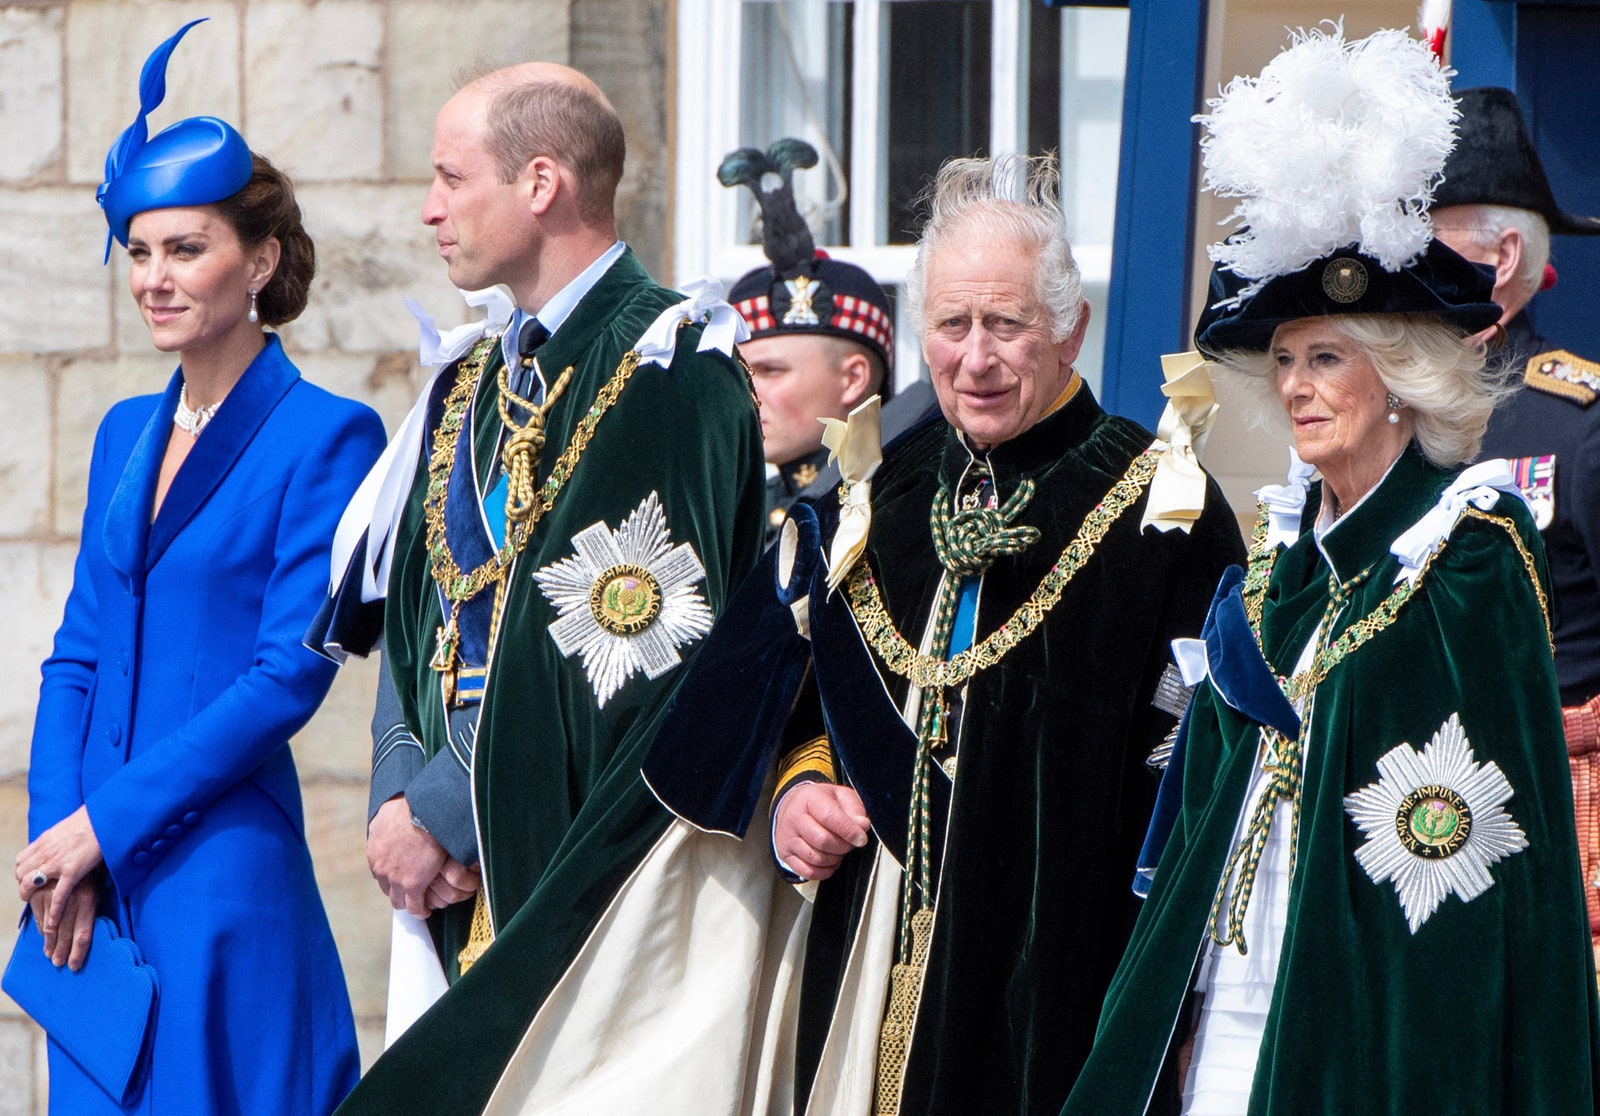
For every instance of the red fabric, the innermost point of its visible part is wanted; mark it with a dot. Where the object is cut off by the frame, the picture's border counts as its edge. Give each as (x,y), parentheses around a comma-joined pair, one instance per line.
(1582,726)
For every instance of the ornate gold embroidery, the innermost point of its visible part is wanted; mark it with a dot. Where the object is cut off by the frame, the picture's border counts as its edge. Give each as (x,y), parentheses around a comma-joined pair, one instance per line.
(1559,372)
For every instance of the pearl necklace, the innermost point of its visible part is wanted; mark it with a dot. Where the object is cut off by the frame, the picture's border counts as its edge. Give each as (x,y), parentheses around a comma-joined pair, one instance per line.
(191,422)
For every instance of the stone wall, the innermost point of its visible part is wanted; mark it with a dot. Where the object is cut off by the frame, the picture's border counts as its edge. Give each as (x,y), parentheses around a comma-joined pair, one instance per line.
(341,94)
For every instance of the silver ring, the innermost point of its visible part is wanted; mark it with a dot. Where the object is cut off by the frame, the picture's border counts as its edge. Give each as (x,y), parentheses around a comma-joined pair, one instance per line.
(40,879)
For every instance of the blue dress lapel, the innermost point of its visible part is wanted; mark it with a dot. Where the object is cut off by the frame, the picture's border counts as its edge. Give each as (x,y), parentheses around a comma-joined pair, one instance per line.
(225,437)
(127,522)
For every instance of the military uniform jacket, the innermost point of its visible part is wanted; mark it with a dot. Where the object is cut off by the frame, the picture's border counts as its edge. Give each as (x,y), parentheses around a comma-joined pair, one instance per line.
(1482,1005)
(1553,436)
(562,815)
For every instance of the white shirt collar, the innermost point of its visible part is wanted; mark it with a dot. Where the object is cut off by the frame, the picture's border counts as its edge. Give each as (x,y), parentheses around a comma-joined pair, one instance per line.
(561,305)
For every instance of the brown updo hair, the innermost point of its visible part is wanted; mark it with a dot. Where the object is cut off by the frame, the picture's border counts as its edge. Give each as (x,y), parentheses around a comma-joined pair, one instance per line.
(265,207)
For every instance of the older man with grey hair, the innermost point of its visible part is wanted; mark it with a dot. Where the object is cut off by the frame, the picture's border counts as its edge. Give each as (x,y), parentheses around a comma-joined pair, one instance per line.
(961,733)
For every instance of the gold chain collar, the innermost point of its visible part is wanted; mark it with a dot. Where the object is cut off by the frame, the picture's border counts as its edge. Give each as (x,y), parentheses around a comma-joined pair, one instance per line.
(1263,559)
(1259,572)
(524,511)
(927,671)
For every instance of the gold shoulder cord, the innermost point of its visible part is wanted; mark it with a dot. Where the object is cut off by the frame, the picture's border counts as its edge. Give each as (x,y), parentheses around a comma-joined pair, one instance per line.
(935,676)
(1510,529)
(525,507)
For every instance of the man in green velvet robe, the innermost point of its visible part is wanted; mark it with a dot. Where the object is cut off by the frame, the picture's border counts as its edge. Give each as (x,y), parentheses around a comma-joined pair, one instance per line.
(588,489)
(976,862)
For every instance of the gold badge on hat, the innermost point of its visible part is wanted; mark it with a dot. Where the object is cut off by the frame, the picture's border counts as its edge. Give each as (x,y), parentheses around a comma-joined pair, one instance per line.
(1344,279)
(802,289)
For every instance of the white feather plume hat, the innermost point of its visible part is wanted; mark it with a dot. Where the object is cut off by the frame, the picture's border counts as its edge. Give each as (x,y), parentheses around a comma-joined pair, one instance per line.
(1332,153)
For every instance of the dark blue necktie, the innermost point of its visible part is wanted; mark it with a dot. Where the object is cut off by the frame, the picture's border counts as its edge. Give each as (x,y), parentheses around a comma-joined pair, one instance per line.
(529,338)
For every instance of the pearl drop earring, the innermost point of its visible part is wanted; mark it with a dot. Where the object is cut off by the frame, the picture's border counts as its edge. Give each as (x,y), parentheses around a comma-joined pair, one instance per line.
(1394,408)
(255,317)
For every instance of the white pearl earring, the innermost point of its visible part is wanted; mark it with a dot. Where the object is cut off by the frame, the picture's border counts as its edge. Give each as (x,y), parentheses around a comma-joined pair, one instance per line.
(1394,408)
(255,317)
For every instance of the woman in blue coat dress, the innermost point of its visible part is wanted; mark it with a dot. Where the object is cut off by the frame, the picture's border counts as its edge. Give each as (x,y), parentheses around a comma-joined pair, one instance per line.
(162,793)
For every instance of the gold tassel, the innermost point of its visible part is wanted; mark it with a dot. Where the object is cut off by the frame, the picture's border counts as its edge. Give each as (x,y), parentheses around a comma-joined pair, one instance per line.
(894,1040)
(479,938)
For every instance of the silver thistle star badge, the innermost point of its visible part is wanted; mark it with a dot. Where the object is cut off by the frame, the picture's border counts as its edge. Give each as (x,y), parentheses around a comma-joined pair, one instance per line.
(1435,821)
(626,600)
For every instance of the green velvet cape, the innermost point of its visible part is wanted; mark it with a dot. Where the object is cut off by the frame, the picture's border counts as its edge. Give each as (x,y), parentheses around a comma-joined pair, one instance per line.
(563,815)
(1490,1006)
(1051,796)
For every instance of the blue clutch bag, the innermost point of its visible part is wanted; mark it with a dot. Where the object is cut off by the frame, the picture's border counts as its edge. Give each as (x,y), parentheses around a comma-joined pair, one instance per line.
(102,1016)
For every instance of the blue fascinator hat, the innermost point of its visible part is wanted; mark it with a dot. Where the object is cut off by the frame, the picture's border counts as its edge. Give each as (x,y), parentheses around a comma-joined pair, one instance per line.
(196,161)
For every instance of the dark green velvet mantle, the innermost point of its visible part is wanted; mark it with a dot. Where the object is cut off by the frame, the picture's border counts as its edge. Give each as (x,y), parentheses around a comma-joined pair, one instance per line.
(563,815)
(1051,797)
(1490,1006)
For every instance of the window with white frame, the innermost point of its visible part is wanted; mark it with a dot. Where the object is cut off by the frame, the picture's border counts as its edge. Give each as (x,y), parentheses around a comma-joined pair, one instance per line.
(886,90)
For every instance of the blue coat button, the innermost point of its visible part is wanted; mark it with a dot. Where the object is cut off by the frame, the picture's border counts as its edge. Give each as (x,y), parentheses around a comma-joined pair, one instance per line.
(141,857)
(190,818)
(174,831)
(158,844)
(113,734)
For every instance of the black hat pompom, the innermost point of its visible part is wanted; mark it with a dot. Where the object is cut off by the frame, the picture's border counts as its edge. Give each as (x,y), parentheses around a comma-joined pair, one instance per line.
(801,290)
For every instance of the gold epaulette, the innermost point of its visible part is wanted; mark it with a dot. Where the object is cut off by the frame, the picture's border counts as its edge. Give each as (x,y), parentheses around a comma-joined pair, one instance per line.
(812,757)
(1559,372)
